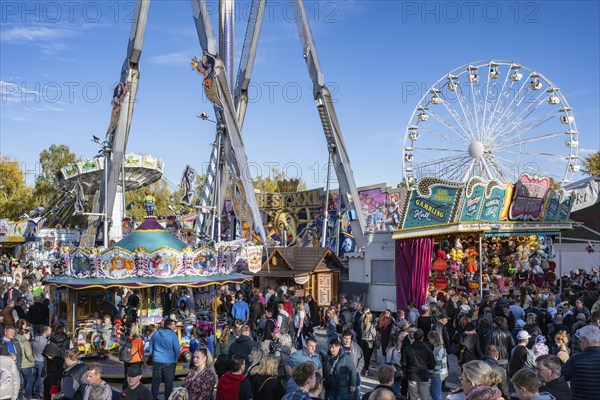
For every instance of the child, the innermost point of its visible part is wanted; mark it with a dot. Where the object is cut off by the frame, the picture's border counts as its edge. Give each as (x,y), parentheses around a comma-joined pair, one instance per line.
(107,330)
(540,348)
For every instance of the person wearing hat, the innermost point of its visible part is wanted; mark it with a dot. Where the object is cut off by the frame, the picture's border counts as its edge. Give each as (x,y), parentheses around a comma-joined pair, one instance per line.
(440,327)
(522,340)
(135,390)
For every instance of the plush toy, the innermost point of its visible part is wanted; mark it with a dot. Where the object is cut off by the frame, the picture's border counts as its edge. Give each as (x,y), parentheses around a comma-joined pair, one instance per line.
(457,251)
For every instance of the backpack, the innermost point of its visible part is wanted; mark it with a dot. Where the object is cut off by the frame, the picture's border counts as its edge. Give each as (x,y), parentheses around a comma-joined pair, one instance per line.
(125,354)
(277,329)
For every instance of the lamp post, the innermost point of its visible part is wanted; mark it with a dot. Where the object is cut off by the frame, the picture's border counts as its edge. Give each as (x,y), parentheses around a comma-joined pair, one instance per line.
(105,150)
(106,153)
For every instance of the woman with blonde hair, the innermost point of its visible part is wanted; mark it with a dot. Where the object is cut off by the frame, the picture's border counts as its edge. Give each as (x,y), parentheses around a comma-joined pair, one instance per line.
(254,358)
(479,381)
(299,318)
(222,346)
(201,379)
(137,351)
(562,340)
(265,382)
(368,339)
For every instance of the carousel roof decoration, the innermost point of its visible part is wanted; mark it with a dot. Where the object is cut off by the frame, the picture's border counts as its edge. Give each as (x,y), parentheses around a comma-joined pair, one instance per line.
(151,252)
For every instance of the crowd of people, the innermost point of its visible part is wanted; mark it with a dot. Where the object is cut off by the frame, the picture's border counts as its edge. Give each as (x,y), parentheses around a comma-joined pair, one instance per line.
(530,343)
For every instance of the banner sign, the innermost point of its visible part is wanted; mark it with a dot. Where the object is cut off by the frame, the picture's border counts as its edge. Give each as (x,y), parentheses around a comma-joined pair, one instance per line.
(473,201)
(434,207)
(324,290)
(492,204)
(254,254)
(564,211)
(553,205)
(586,195)
(530,194)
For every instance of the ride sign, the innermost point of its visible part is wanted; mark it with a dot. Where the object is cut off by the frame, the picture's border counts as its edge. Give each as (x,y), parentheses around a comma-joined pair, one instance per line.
(474,200)
(434,207)
(530,193)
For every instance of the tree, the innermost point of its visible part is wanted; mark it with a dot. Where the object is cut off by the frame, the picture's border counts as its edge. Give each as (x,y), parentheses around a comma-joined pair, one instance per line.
(591,164)
(51,161)
(16,198)
(269,185)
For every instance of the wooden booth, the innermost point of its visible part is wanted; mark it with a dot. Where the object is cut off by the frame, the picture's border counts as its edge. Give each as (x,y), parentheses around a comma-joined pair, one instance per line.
(314,271)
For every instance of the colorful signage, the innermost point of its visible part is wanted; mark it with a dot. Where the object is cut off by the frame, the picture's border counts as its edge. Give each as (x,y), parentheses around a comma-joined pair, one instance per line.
(552,206)
(473,201)
(530,194)
(432,208)
(493,203)
(564,210)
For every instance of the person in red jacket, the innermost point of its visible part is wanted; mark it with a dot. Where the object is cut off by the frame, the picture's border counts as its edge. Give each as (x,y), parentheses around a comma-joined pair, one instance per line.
(232,385)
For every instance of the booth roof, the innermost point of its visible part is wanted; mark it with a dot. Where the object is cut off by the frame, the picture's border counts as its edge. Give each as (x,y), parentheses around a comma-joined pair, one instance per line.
(151,236)
(502,228)
(144,282)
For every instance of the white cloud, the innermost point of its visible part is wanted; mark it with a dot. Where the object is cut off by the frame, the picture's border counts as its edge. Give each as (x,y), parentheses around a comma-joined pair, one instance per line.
(12,92)
(182,57)
(20,35)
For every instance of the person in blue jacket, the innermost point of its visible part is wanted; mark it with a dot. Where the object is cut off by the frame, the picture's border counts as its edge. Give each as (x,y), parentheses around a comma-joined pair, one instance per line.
(165,351)
(240,309)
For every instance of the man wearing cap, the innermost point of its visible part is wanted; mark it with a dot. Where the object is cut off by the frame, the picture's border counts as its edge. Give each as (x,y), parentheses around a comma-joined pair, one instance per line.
(135,390)
(522,340)
(38,315)
(440,327)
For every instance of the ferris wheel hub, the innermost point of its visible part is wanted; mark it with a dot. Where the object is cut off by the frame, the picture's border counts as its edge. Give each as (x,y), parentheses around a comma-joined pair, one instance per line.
(476,149)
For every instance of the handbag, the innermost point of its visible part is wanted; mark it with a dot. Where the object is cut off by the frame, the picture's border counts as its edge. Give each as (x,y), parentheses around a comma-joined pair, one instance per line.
(397,368)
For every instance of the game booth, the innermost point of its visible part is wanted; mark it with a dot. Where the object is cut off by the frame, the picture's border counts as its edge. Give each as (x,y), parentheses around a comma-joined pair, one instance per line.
(149,259)
(477,235)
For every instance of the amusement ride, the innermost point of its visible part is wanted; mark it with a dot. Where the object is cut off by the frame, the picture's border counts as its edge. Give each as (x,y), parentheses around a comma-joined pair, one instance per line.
(493,119)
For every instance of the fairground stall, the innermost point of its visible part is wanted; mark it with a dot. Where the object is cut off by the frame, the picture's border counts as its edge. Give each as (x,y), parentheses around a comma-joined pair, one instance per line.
(150,259)
(312,271)
(470,236)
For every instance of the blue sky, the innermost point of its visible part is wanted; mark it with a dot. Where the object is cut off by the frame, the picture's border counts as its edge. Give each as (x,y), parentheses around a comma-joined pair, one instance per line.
(59,63)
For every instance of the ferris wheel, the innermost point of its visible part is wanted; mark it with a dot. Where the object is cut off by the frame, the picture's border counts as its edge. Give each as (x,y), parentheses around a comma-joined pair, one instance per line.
(493,119)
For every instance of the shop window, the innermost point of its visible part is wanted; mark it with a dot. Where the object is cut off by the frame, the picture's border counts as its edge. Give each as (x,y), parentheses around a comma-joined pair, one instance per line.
(383,272)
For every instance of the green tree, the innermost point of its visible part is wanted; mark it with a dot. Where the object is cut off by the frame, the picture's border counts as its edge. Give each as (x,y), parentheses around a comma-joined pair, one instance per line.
(269,185)
(51,161)
(591,164)
(16,198)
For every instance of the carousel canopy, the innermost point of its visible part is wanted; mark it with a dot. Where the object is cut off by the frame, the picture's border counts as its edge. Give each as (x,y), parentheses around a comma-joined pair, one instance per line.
(142,282)
(151,236)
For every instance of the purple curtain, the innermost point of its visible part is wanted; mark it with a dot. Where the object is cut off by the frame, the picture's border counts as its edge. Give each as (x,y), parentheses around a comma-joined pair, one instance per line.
(413,263)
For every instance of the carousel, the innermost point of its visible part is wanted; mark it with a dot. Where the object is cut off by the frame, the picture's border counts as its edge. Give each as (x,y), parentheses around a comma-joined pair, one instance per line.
(151,260)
